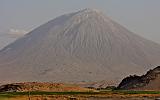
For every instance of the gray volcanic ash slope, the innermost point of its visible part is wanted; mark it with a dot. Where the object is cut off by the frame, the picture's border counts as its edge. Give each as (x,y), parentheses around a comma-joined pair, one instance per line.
(81,46)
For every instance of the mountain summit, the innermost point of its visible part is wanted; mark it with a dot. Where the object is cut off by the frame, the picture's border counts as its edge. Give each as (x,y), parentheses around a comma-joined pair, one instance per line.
(84,46)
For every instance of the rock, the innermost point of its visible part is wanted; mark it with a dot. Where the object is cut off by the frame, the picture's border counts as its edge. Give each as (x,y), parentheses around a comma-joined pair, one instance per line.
(149,81)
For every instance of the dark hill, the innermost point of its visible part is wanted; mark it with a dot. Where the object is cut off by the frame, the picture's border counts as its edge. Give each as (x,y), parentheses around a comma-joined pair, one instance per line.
(149,81)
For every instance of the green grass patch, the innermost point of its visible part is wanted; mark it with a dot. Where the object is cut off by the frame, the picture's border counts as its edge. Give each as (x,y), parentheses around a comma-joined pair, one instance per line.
(139,92)
(12,94)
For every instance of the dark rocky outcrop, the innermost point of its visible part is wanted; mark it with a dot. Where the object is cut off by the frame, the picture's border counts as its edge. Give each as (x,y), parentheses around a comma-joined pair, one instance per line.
(149,81)
(10,88)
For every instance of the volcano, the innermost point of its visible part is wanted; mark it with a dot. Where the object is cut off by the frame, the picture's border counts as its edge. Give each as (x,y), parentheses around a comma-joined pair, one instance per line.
(83,46)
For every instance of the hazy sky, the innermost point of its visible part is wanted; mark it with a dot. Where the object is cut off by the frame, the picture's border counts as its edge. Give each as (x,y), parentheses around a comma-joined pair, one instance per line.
(20,16)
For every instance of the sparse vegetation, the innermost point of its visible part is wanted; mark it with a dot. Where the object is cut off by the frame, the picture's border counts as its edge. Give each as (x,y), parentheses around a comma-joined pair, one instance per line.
(137,92)
(41,95)
(12,94)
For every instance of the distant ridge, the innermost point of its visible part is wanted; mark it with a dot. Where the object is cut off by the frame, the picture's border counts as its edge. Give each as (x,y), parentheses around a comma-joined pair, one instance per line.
(84,46)
(46,86)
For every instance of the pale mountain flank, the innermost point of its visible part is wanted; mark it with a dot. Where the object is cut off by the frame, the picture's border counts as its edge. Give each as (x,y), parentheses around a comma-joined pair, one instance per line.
(84,46)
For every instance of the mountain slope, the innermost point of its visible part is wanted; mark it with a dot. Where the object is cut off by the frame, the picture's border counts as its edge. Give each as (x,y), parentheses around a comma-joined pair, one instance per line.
(84,46)
(149,81)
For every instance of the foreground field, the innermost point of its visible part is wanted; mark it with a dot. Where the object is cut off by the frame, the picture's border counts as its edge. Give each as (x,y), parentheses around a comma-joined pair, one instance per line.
(101,95)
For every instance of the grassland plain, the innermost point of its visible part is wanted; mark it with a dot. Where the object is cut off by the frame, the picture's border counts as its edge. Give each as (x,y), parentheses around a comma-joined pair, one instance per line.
(100,95)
